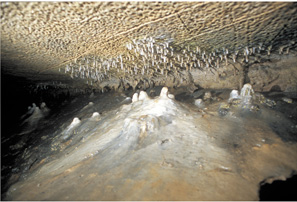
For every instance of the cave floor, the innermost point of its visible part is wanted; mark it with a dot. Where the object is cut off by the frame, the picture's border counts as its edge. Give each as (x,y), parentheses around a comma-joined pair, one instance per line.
(155,149)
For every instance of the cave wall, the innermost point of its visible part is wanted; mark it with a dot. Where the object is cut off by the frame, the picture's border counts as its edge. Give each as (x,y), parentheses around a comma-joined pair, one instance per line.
(276,75)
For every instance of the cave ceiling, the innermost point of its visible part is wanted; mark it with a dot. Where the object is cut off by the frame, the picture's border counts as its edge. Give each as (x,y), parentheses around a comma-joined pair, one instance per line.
(43,40)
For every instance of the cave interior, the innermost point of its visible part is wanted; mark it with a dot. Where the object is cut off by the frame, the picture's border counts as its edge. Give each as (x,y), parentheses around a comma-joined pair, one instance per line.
(148,100)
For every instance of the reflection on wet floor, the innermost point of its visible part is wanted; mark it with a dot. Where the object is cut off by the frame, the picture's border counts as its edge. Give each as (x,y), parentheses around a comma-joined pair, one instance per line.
(155,145)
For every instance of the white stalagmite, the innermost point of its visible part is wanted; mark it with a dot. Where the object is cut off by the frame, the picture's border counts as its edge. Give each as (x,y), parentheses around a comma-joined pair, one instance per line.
(135,97)
(246,93)
(30,110)
(199,103)
(44,109)
(142,95)
(164,92)
(95,115)
(70,129)
(234,95)
(37,114)
(75,122)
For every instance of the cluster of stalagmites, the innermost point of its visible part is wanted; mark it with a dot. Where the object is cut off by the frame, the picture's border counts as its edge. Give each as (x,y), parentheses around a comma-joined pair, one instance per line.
(247,100)
(149,58)
(141,96)
(34,110)
(32,117)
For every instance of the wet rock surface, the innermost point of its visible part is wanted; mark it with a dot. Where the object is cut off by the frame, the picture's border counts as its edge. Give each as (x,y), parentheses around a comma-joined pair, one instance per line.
(157,148)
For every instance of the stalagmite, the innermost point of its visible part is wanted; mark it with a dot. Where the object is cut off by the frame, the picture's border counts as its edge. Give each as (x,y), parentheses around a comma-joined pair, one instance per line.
(164,92)
(234,95)
(142,96)
(246,93)
(199,103)
(135,97)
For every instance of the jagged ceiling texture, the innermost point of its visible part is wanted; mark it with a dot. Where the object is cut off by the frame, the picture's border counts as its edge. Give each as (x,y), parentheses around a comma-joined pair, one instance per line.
(43,40)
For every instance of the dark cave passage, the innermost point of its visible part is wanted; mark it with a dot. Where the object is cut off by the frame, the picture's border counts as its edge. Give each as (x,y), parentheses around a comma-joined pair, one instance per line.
(279,190)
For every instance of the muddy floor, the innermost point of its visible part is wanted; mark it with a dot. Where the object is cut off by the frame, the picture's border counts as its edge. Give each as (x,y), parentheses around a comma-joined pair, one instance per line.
(156,146)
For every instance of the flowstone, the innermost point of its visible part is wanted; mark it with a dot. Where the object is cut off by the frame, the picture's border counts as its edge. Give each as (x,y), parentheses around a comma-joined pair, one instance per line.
(157,149)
